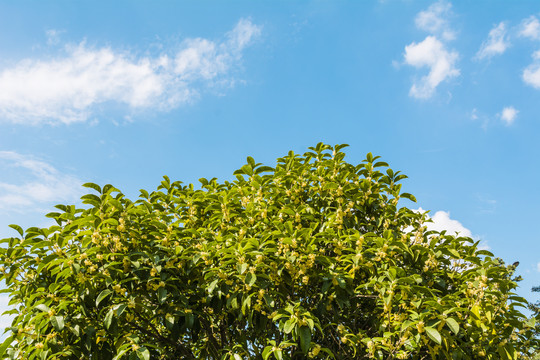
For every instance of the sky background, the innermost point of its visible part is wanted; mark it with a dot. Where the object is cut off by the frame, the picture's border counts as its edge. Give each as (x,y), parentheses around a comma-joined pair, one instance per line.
(124,92)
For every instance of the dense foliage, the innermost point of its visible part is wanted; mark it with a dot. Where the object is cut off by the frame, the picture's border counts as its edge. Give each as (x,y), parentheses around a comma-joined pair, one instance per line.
(311,259)
(535,308)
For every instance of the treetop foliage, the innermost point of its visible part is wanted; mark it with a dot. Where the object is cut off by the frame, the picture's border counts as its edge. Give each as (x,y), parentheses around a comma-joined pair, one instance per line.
(313,258)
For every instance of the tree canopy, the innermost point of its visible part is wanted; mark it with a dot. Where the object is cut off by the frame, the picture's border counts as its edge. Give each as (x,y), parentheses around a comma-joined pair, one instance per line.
(314,258)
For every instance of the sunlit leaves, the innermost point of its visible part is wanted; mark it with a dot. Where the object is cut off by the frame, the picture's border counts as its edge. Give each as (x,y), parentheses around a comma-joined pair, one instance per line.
(453,325)
(433,334)
(312,258)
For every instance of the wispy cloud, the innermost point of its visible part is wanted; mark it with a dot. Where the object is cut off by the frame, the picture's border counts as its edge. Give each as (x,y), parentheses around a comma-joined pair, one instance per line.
(53,36)
(508,115)
(486,204)
(496,43)
(530,28)
(29,183)
(432,52)
(435,20)
(71,87)
(531,74)
(483,119)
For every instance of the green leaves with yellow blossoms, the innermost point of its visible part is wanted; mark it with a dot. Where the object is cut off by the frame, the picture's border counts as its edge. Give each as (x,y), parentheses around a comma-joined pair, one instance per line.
(313,258)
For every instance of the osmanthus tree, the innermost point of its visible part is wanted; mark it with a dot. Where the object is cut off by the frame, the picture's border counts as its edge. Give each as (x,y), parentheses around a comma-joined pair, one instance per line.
(311,259)
(535,308)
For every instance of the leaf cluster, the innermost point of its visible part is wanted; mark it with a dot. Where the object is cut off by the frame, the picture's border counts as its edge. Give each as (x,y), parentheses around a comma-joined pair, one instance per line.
(313,258)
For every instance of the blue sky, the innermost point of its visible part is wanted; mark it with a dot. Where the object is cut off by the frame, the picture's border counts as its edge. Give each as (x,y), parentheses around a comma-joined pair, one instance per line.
(125,92)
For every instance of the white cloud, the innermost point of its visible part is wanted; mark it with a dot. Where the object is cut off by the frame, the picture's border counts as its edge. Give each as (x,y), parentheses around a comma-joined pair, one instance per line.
(430,53)
(538,267)
(496,43)
(442,221)
(27,183)
(435,20)
(70,88)
(530,28)
(531,74)
(508,115)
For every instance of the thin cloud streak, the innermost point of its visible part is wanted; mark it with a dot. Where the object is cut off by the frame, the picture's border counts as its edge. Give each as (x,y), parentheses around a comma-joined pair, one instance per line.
(496,43)
(70,89)
(38,183)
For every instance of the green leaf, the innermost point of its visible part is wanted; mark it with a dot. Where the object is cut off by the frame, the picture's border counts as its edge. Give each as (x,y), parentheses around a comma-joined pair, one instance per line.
(42,307)
(267,352)
(92,186)
(305,338)
(169,320)
(484,252)
(237,357)
(121,353)
(107,189)
(250,279)
(91,199)
(108,319)
(58,322)
(453,325)
(454,252)
(234,302)
(246,304)
(18,228)
(269,300)
(143,353)
(5,345)
(162,295)
(261,169)
(190,320)
(120,309)
(380,163)
(102,296)
(408,196)
(433,334)
(43,355)
(340,146)
(475,310)
(144,194)
(503,353)
(248,170)
(289,326)
(242,268)
(76,330)
(212,286)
